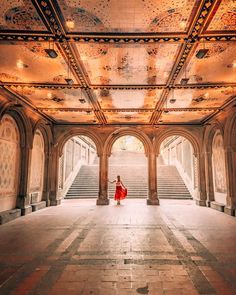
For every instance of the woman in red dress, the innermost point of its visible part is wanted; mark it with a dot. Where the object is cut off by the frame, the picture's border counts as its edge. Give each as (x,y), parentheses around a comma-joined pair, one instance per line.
(121,190)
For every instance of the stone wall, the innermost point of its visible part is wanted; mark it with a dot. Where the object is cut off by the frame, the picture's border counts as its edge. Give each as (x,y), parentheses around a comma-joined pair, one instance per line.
(218,165)
(37,168)
(9,163)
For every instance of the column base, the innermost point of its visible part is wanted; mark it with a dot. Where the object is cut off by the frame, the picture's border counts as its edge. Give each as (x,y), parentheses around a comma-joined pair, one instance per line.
(55,202)
(154,202)
(201,203)
(26,210)
(101,202)
(230,211)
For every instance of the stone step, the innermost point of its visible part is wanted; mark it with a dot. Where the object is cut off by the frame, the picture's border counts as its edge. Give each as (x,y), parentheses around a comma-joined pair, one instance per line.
(170,183)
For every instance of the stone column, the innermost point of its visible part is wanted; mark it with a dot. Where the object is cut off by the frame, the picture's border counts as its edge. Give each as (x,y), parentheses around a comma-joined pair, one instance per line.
(230,167)
(209,177)
(103,180)
(23,199)
(46,182)
(152,180)
(54,199)
(201,196)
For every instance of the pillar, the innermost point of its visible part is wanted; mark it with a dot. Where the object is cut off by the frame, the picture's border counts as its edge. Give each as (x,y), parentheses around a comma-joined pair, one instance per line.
(46,182)
(209,177)
(201,196)
(230,162)
(24,199)
(54,199)
(103,180)
(152,180)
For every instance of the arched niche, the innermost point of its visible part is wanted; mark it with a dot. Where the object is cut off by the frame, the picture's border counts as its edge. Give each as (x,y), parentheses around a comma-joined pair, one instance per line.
(218,168)
(9,162)
(36,179)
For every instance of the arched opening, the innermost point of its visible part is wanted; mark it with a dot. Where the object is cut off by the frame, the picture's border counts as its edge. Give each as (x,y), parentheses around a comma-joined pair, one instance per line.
(9,162)
(218,168)
(129,161)
(37,168)
(78,169)
(177,171)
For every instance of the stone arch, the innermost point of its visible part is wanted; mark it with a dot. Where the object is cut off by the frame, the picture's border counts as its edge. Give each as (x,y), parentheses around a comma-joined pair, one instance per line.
(62,139)
(230,132)
(209,135)
(177,132)
(131,132)
(10,162)
(23,123)
(46,133)
(37,168)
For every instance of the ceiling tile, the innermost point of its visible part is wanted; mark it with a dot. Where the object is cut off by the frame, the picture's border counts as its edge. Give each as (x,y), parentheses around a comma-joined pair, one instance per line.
(54,98)
(132,98)
(216,66)
(225,17)
(28,62)
(20,15)
(185,116)
(200,98)
(128,16)
(126,64)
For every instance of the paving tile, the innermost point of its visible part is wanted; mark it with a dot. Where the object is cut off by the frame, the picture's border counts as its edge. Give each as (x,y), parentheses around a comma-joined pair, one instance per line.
(78,249)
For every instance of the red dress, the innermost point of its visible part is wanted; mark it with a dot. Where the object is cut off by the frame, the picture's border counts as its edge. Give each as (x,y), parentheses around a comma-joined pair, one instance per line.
(121,192)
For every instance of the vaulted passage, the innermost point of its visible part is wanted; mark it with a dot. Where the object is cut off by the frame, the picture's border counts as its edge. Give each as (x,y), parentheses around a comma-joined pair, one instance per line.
(95,89)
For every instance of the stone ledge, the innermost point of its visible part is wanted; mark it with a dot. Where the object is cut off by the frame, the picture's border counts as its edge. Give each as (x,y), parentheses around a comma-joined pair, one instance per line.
(9,215)
(38,206)
(229,211)
(217,206)
(201,203)
(26,210)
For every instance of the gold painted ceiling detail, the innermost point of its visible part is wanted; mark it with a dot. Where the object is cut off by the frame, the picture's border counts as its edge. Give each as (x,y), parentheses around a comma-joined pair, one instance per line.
(119,62)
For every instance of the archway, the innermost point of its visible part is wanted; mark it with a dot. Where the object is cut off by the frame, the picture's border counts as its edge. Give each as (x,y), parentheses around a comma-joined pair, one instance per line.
(218,168)
(36,180)
(177,171)
(78,169)
(9,162)
(128,160)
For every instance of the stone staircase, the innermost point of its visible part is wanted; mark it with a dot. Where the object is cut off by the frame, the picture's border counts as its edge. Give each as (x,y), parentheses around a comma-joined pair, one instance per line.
(134,175)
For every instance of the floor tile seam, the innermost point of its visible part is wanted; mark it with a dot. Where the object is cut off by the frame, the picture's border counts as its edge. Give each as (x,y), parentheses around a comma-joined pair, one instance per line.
(28,267)
(193,270)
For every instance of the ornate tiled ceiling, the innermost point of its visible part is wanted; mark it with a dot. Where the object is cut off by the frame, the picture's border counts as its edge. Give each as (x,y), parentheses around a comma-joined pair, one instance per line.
(126,64)
(128,16)
(119,62)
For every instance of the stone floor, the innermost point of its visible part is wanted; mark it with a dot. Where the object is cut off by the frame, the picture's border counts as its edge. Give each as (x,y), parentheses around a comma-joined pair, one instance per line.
(79,248)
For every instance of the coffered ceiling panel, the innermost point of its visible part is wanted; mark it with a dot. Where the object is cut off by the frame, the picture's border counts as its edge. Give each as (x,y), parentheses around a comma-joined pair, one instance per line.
(128,63)
(128,16)
(54,98)
(225,17)
(20,15)
(28,62)
(112,99)
(203,98)
(195,116)
(67,116)
(128,117)
(218,65)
